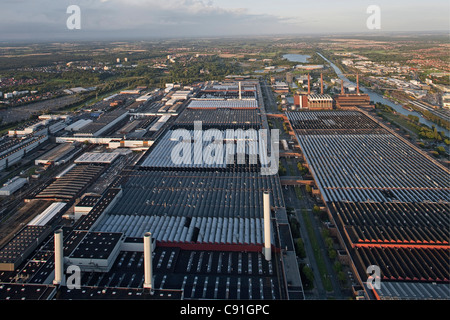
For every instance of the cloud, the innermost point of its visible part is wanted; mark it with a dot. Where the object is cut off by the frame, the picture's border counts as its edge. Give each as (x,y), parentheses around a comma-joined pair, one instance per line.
(134,19)
(130,18)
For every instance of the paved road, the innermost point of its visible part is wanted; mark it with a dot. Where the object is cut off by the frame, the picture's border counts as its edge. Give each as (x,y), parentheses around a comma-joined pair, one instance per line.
(271,105)
(337,294)
(319,292)
(292,200)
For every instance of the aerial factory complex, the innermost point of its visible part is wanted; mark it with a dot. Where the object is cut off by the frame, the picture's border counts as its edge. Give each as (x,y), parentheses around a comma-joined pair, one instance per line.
(225,170)
(388,200)
(217,231)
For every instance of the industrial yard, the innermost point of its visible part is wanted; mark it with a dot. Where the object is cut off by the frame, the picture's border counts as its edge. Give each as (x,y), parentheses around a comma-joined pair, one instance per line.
(217,231)
(109,196)
(386,199)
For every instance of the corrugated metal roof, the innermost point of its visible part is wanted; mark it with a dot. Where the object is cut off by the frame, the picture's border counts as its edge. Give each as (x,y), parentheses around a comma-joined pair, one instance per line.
(47,214)
(413,290)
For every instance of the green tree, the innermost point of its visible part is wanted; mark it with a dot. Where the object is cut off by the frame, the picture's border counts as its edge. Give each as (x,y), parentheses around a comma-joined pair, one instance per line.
(342,277)
(413,118)
(329,243)
(300,248)
(316,208)
(441,150)
(307,271)
(332,253)
(337,266)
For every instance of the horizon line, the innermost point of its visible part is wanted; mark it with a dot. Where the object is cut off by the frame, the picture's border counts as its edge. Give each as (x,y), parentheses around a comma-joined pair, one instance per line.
(370,33)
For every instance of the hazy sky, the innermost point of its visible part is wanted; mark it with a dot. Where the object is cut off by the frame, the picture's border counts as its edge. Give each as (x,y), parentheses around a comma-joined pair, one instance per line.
(134,19)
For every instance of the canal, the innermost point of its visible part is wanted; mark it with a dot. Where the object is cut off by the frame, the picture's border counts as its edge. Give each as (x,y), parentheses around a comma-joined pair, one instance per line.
(375,97)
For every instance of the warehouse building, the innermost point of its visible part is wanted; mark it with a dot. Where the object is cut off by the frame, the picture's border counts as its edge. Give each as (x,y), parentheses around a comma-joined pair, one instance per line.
(11,186)
(78,125)
(103,124)
(72,183)
(12,150)
(219,118)
(17,249)
(388,200)
(216,233)
(217,104)
(21,246)
(236,150)
(194,209)
(97,157)
(58,155)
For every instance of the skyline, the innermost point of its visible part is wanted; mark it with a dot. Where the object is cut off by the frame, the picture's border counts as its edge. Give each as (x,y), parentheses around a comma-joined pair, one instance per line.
(150,19)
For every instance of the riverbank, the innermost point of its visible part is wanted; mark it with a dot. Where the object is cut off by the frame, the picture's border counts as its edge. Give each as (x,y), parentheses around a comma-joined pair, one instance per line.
(375,97)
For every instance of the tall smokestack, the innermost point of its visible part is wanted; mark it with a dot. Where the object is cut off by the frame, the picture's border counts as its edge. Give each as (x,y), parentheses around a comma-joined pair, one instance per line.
(59,258)
(321,83)
(267,223)
(240,91)
(357,83)
(342,87)
(309,85)
(148,268)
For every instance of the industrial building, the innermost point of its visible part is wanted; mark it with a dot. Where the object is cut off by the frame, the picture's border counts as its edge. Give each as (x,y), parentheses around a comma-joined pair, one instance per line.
(243,90)
(317,101)
(72,183)
(77,125)
(39,127)
(388,200)
(12,185)
(22,245)
(228,95)
(12,150)
(348,149)
(236,150)
(48,214)
(85,205)
(320,101)
(97,157)
(219,119)
(29,237)
(314,101)
(97,251)
(350,100)
(203,203)
(58,155)
(160,231)
(102,124)
(217,104)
